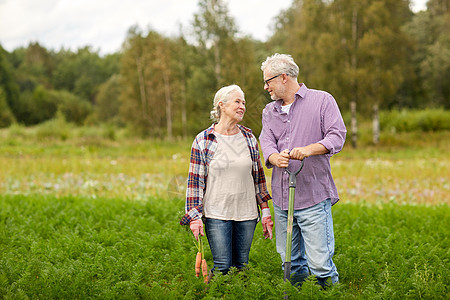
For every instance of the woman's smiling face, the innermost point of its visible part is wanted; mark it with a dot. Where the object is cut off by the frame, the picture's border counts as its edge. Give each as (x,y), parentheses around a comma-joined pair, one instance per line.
(234,108)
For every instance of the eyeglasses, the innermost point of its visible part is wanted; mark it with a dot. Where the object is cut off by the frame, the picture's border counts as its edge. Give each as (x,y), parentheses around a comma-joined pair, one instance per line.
(267,81)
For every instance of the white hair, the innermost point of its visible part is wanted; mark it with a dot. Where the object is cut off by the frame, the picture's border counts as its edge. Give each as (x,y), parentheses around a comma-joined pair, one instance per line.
(223,95)
(280,64)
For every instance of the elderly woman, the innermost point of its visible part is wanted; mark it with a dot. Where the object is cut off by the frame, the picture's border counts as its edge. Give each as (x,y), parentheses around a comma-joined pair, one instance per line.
(226,184)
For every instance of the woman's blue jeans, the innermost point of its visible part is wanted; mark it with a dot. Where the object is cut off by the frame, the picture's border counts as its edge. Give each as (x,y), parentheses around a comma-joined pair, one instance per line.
(312,241)
(230,242)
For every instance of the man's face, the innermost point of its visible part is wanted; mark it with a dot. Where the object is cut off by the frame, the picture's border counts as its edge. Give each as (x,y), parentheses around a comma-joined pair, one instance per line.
(273,83)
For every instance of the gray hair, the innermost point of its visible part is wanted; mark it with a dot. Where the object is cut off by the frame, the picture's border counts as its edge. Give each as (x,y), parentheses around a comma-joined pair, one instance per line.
(279,64)
(223,95)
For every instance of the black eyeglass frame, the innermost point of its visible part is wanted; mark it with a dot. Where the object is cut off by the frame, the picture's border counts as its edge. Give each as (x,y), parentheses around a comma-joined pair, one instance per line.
(266,82)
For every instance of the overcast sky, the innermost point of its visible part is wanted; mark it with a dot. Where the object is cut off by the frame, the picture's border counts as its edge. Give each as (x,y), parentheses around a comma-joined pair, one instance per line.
(102,24)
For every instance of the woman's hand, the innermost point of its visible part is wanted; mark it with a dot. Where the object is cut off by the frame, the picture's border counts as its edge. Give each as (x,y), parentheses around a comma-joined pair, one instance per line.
(196,228)
(267,223)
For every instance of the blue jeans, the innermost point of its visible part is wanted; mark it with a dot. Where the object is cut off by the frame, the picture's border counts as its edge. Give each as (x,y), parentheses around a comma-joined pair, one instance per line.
(230,242)
(312,241)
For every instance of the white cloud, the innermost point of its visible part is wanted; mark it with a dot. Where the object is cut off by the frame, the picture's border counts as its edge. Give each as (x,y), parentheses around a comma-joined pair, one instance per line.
(72,24)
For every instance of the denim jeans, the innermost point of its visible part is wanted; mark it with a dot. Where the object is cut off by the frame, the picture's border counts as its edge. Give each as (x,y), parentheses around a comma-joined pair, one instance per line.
(312,241)
(230,242)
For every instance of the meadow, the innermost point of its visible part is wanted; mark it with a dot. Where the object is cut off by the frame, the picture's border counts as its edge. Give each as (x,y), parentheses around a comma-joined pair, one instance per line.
(91,214)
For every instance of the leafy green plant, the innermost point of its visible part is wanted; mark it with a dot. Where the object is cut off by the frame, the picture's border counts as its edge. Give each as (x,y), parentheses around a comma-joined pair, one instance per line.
(74,247)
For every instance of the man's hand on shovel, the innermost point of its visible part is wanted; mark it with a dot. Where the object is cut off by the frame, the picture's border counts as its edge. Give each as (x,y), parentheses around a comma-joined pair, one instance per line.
(281,160)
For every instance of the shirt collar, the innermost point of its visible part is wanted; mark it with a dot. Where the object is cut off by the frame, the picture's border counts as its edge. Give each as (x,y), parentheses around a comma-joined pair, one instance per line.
(301,93)
(210,129)
(302,90)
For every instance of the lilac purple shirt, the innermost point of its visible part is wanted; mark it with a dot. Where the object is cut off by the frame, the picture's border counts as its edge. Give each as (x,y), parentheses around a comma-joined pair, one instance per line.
(314,117)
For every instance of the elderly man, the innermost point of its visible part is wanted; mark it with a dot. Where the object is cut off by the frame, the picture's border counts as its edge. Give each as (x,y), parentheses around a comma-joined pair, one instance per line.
(302,123)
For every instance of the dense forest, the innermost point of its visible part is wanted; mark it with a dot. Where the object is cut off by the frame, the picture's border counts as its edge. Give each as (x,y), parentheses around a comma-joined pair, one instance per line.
(372,55)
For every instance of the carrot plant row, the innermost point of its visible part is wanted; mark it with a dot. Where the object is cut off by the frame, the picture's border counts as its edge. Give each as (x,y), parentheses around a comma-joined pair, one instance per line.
(110,248)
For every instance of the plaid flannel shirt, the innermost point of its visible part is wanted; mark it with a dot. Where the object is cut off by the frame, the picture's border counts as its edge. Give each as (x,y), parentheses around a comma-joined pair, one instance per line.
(202,151)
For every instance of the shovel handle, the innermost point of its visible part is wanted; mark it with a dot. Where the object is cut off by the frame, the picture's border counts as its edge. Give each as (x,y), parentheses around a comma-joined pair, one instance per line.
(293,174)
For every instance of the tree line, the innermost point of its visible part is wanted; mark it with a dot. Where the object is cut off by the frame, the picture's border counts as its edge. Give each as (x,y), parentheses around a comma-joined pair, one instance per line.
(371,55)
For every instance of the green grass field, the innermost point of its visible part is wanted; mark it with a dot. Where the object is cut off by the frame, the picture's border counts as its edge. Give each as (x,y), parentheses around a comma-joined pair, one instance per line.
(87,217)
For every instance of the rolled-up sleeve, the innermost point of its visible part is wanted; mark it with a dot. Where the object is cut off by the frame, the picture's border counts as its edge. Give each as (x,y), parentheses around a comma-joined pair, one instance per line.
(332,126)
(195,186)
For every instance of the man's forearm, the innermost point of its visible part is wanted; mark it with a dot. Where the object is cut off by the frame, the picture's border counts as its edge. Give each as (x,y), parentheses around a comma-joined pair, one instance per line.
(300,153)
(317,149)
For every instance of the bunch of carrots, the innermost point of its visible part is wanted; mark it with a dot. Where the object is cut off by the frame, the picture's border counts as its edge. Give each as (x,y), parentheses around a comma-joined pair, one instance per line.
(200,261)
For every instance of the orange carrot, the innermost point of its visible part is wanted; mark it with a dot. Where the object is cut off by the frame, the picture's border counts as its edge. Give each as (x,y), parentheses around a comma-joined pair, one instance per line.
(198,261)
(205,270)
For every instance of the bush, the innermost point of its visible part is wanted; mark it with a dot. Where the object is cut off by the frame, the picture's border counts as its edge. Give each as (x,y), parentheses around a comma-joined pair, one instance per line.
(16,131)
(56,128)
(35,107)
(73,108)
(420,120)
(96,133)
(6,116)
(44,107)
